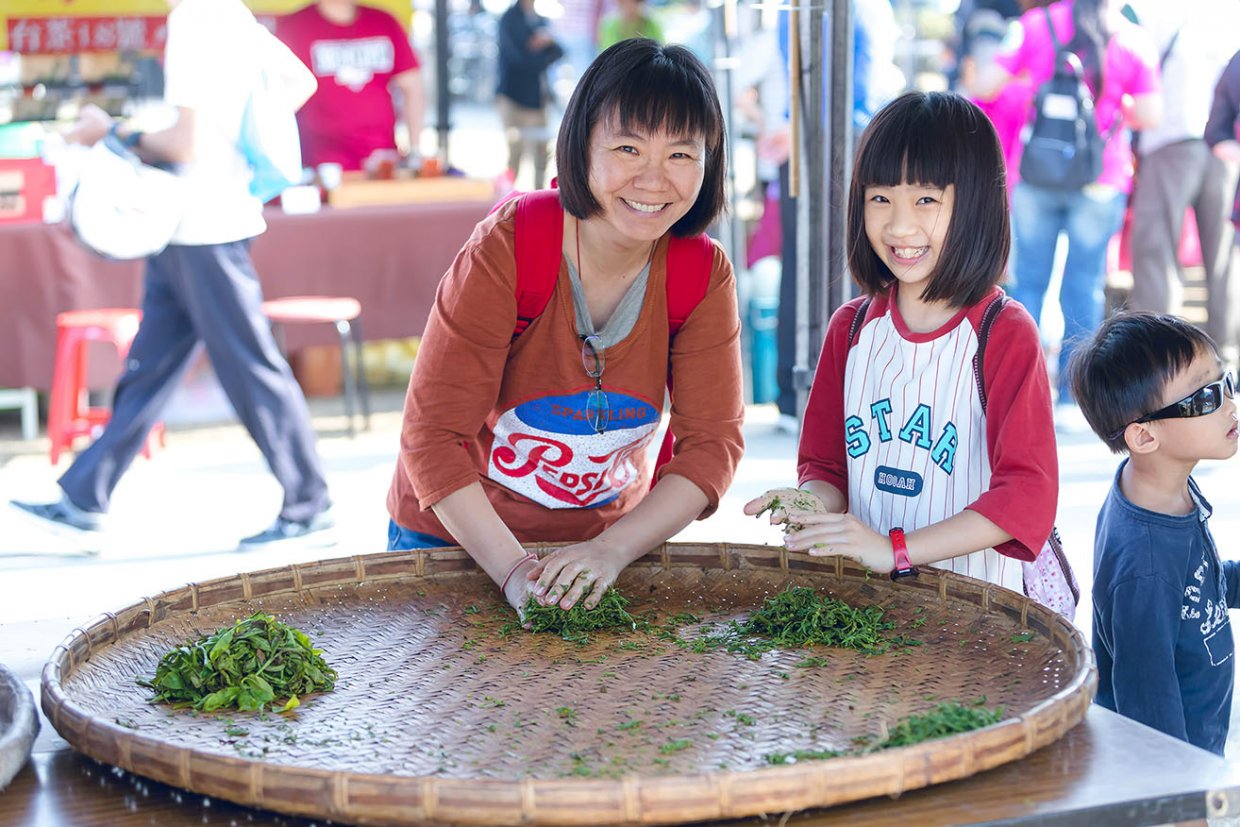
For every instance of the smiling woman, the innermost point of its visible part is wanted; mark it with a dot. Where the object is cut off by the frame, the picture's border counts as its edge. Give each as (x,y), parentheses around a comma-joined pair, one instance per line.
(529,421)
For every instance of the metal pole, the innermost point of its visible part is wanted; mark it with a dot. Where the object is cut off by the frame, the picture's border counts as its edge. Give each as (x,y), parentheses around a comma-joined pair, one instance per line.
(839,168)
(725,30)
(827,153)
(443,98)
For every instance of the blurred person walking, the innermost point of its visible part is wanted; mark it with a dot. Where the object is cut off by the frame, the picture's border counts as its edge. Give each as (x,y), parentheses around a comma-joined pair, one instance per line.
(202,287)
(526,49)
(1121,71)
(1222,132)
(1177,170)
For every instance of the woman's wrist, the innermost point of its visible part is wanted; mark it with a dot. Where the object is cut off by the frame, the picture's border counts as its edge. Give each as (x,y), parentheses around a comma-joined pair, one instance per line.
(530,557)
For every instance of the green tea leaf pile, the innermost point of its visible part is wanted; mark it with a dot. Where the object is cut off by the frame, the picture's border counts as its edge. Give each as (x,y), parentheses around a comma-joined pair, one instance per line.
(799,616)
(248,666)
(576,624)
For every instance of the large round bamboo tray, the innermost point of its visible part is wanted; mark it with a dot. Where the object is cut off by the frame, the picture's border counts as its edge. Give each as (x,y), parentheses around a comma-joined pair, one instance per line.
(19,724)
(437,718)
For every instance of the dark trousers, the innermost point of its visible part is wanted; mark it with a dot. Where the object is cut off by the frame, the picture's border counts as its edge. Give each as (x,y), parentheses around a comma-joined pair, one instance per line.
(1170,180)
(210,294)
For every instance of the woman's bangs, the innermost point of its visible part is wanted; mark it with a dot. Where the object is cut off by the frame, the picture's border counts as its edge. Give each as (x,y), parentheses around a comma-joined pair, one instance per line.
(665,99)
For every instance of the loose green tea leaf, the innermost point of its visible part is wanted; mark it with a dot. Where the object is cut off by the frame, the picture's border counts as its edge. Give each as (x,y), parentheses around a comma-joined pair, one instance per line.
(947,718)
(576,624)
(250,665)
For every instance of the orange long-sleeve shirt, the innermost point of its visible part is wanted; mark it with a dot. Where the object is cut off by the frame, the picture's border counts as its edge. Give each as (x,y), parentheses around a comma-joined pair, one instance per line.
(510,414)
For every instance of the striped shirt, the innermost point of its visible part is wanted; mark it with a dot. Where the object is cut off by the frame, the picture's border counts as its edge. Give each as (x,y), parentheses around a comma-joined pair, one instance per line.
(913,445)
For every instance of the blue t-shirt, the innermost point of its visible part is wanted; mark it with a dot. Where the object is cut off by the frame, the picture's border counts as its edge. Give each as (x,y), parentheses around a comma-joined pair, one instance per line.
(1162,635)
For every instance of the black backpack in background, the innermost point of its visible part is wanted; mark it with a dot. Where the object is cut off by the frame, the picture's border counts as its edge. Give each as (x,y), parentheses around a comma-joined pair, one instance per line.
(1063,146)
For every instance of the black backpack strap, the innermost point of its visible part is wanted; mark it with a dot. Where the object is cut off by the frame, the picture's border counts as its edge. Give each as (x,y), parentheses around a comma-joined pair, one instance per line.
(858,319)
(989,315)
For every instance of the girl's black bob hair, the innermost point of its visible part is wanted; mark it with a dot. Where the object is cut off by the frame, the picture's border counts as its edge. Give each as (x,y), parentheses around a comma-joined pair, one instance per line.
(936,139)
(648,88)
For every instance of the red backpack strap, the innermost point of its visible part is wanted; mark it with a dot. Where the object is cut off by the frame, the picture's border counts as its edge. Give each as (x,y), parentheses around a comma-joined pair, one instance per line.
(538,230)
(689,262)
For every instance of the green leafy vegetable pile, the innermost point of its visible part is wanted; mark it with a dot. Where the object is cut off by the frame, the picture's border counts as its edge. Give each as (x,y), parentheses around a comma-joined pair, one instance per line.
(799,616)
(248,665)
(947,718)
(576,624)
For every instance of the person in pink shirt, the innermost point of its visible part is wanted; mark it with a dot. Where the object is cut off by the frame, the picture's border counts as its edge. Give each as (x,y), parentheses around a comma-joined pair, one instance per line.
(1121,70)
(362,59)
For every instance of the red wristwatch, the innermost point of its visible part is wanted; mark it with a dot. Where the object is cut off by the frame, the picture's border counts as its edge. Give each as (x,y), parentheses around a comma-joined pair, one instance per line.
(903,566)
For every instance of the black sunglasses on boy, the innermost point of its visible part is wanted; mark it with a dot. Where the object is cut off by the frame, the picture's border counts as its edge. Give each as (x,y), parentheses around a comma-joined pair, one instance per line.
(1205,400)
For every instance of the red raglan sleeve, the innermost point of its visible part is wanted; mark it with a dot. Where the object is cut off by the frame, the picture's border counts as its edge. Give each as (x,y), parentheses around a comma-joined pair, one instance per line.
(460,366)
(821,453)
(1020,436)
(708,406)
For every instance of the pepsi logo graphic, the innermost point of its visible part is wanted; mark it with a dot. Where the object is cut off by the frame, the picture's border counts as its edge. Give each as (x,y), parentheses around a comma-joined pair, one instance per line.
(546,449)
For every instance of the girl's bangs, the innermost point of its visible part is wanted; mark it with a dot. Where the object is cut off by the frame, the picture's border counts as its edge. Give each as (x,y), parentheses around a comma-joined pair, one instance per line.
(907,151)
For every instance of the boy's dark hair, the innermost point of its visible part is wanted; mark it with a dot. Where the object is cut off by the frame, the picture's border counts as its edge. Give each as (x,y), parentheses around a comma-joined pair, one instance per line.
(936,138)
(1120,374)
(651,88)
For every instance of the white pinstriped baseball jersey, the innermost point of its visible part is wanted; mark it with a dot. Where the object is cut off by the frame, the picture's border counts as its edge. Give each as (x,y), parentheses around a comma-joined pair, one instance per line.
(913,445)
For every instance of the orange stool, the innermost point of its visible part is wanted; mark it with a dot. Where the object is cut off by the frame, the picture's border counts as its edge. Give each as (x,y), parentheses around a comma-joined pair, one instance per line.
(68,415)
(342,313)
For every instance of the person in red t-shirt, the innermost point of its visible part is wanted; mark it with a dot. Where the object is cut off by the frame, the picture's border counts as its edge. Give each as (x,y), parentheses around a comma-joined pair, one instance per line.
(362,59)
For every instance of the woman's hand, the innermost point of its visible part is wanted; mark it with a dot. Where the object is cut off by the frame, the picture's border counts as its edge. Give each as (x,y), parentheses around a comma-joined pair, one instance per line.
(519,588)
(779,501)
(821,534)
(566,574)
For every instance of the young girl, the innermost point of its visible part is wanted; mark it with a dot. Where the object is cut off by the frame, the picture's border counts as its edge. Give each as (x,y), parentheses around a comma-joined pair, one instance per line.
(912,452)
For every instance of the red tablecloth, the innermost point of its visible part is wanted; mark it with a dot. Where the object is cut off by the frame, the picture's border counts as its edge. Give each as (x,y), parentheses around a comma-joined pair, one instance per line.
(389,258)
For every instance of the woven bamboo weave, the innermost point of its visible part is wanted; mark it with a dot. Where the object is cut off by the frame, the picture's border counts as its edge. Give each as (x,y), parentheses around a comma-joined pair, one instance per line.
(438,718)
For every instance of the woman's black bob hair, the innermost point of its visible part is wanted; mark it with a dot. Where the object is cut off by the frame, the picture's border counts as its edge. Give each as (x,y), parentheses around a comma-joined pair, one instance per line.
(936,139)
(648,88)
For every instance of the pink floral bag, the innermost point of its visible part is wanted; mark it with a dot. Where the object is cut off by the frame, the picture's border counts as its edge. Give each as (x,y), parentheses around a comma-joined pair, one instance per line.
(1049,579)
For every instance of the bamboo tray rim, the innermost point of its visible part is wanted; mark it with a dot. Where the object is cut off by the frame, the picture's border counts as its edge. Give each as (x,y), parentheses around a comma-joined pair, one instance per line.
(19,724)
(364,798)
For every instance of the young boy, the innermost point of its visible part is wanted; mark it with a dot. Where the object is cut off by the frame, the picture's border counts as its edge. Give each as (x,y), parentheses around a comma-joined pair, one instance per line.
(1153,386)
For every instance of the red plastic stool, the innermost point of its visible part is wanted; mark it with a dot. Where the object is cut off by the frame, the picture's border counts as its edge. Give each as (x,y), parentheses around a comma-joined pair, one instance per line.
(342,313)
(68,415)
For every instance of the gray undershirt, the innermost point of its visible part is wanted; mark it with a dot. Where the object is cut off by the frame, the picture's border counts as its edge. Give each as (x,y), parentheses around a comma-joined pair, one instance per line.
(622,320)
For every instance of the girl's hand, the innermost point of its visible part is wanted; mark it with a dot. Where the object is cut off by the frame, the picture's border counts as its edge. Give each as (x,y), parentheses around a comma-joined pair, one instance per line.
(565,575)
(821,534)
(779,501)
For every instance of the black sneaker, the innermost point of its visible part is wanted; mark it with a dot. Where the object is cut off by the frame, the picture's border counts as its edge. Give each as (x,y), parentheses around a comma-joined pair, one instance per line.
(60,515)
(317,532)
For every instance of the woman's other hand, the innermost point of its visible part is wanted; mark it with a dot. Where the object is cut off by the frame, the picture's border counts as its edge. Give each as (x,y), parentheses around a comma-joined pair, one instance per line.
(518,589)
(582,569)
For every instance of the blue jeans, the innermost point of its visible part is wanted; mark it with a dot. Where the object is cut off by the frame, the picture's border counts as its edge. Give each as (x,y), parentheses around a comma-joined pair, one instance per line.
(403,539)
(1090,217)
